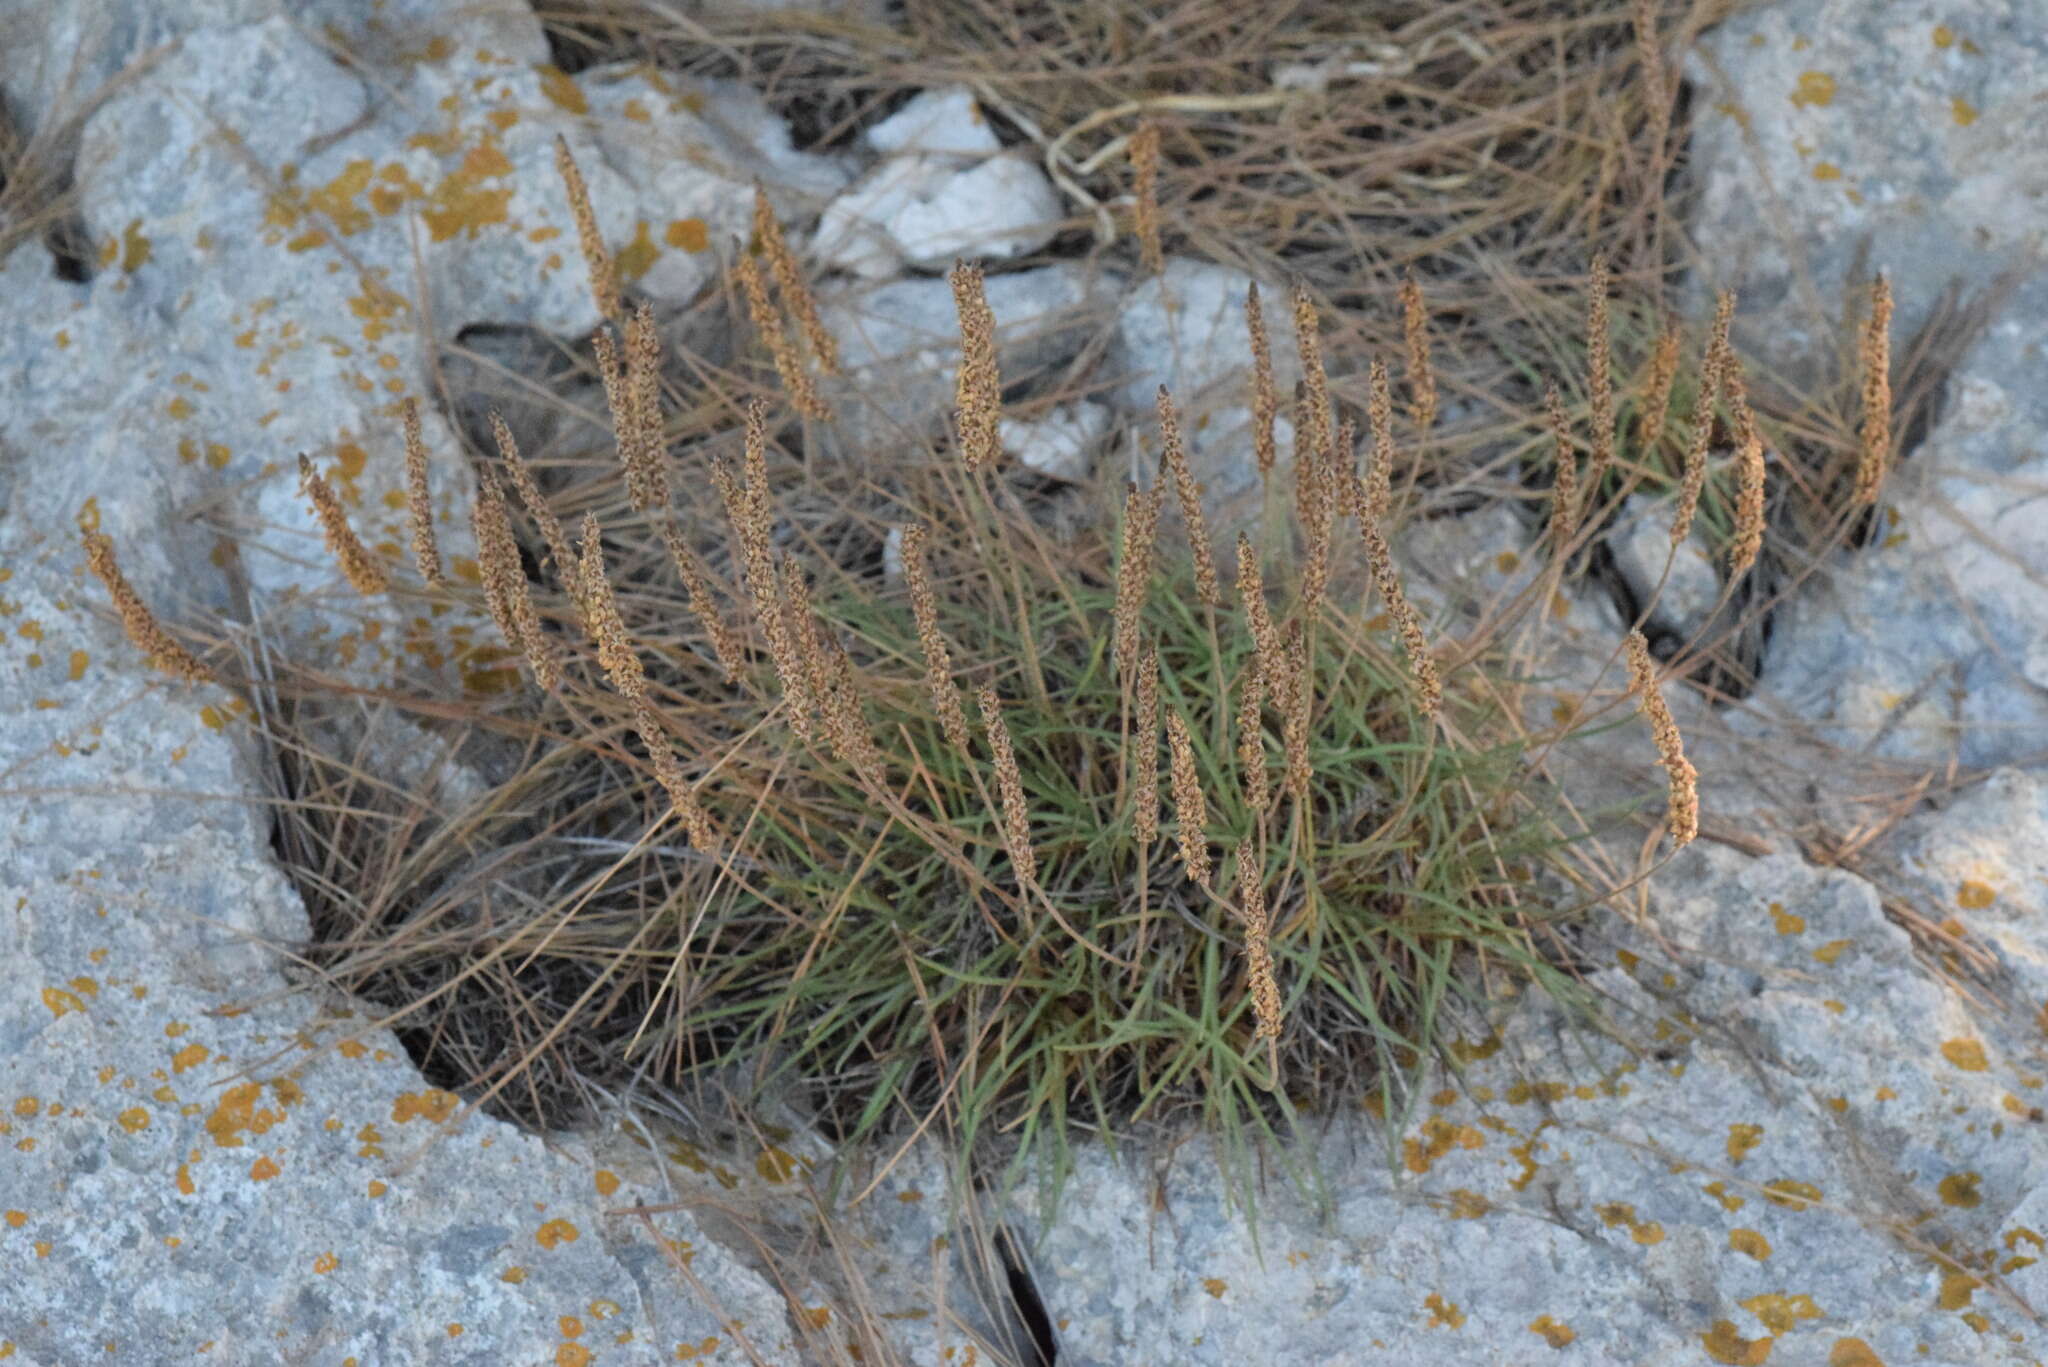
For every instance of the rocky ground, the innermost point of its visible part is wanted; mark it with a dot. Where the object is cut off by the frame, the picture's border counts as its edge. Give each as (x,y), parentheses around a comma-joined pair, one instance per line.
(1819,1143)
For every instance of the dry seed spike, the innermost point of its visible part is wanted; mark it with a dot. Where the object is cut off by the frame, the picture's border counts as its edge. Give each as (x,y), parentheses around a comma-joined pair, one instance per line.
(601,612)
(703,605)
(1684,816)
(604,280)
(938,660)
(1251,739)
(144,631)
(1265,398)
(1174,456)
(1599,373)
(1010,784)
(1134,571)
(1308,339)
(355,559)
(796,381)
(1875,447)
(1379,412)
(1657,389)
(646,468)
(789,278)
(1145,785)
(978,388)
(1564,494)
(1258,949)
(1747,539)
(426,551)
(536,504)
(1190,810)
(1694,480)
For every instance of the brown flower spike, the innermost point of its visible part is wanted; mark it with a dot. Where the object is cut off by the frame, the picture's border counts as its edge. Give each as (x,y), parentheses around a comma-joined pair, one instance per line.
(144,631)
(1684,816)
(355,559)
(426,551)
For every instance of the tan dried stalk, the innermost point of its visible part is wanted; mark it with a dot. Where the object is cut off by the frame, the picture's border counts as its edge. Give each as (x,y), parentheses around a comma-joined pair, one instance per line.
(1422,397)
(1251,591)
(426,550)
(1747,540)
(938,660)
(1010,784)
(801,623)
(1309,465)
(1683,820)
(1174,456)
(601,618)
(1321,513)
(611,371)
(356,562)
(1308,340)
(1265,398)
(1379,558)
(789,278)
(1599,373)
(1657,388)
(1145,751)
(1564,494)
(144,631)
(844,725)
(1190,810)
(536,504)
(1874,451)
(645,456)
(505,589)
(1251,739)
(1298,699)
(725,646)
(1144,152)
(604,280)
(1258,946)
(752,517)
(1379,412)
(978,387)
(796,381)
(669,774)
(1134,571)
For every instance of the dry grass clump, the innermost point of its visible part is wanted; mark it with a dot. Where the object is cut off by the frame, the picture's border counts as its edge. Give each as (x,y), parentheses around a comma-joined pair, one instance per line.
(787,866)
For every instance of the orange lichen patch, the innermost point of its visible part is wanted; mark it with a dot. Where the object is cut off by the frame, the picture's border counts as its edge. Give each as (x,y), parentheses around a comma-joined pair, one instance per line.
(352,1048)
(688,234)
(1781,1313)
(263,1169)
(1853,1353)
(377,1187)
(191,1056)
(1750,1242)
(1464,1052)
(1555,1334)
(1468,1205)
(1887,1094)
(1944,37)
(686,1352)
(570,1326)
(778,1165)
(79,661)
(1826,170)
(1966,1054)
(1438,1138)
(1724,1344)
(1742,1141)
(461,203)
(237,1112)
(561,88)
(1443,1314)
(59,1001)
(1957,1286)
(1617,1213)
(325,1263)
(1832,950)
(1975,895)
(637,257)
(185,1187)
(1788,923)
(555,1232)
(1792,1195)
(1959,1189)
(1962,111)
(572,1355)
(816,1316)
(134,1120)
(1816,89)
(134,247)
(514,1275)
(27,1107)
(607,1181)
(16,1219)
(432,1104)
(1215,1286)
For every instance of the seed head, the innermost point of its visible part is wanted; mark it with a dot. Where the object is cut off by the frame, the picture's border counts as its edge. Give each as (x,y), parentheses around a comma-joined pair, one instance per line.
(1010,784)
(1145,751)
(1298,699)
(1134,570)
(1379,412)
(1684,816)
(1599,373)
(505,587)
(1875,451)
(426,552)
(1190,811)
(604,282)
(645,454)
(978,388)
(1308,337)
(1144,149)
(1174,457)
(536,504)
(1265,399)
(1748,538)
(1251,592)
(796,381)
(682,797)
(1251,739)
(1564,494)
(601,612)
(789,278)
(144,631)
(1379,558)
(1657,389)
(355,559)
(1258,948)
(703,605)
(938,660)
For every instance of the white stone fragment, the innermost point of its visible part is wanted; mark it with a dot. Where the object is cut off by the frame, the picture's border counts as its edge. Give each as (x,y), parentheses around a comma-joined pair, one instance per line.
(1061,444)
(944,122)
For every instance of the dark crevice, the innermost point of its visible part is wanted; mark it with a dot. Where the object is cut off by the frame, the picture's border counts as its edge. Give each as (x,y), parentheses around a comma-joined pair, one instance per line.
(1043,1348)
